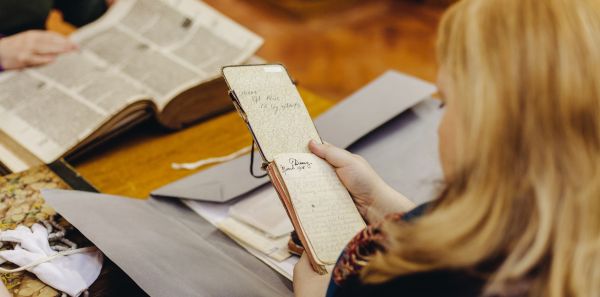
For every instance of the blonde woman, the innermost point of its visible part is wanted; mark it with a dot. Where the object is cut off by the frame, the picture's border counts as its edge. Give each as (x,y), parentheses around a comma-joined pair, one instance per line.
(520,148)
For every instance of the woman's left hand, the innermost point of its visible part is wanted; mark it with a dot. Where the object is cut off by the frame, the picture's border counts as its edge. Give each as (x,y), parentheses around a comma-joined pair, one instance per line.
(307,282)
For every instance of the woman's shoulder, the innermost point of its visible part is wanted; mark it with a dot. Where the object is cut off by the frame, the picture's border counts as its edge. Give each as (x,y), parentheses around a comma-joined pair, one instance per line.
(365,244)
(434,283)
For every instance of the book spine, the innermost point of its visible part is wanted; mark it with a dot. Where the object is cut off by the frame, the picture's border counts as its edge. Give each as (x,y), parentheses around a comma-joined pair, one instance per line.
(70,176)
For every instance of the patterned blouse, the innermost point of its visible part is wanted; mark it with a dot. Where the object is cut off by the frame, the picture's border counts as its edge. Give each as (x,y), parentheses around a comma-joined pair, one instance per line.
(345,280)
(364,244)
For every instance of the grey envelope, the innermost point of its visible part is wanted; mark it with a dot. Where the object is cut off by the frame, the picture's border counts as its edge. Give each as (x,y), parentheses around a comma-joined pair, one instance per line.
(166,248)
(343,124)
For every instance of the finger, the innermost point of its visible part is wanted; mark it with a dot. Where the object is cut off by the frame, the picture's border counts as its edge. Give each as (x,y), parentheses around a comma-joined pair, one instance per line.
(37,60)
(12,236)
(301,265)
(40,235)
(336,156)
(19,256)
(16,235)
(304,259)
(23,229)
(53,43)
(39,231)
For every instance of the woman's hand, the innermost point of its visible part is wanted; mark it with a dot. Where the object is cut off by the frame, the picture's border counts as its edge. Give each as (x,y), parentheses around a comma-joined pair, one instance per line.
(307,282)
(372,196)
(32,48)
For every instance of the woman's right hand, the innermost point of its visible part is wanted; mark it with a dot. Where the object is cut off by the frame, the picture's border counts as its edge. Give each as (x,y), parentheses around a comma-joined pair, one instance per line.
(372,196)
(32,48)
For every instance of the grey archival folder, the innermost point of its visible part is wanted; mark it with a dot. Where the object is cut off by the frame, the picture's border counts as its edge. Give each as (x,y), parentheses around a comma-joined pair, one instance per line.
(343,124)
(166,248)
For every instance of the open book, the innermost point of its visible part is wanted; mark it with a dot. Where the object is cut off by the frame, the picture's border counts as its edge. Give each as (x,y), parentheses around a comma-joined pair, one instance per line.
(143,58)
(319,206)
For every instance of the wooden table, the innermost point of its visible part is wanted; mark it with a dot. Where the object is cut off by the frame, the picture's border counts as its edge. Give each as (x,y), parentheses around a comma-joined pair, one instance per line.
(139,161)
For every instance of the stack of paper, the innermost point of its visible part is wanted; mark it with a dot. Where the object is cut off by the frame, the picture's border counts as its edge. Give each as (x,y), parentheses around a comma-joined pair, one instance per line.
(261,223)
(257,222)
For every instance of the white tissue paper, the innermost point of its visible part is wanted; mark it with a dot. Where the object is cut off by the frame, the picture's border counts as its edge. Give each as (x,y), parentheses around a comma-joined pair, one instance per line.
(71,274)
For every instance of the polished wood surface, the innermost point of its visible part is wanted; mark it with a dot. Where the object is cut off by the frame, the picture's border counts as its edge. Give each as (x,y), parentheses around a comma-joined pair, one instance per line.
(332,53)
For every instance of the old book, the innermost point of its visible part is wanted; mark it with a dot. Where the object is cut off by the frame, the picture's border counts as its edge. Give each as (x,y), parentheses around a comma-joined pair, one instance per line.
(319,206)
(142,59)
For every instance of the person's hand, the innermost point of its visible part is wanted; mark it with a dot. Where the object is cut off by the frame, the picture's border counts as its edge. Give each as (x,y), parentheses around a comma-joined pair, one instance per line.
(307,282)
(372,196)
(32,48)
(110,2)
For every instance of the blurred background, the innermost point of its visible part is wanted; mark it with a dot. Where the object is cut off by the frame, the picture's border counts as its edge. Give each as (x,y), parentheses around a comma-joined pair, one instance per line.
(333,47)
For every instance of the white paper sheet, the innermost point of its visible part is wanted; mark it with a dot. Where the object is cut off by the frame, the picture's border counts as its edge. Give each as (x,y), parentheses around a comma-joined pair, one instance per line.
(217,212)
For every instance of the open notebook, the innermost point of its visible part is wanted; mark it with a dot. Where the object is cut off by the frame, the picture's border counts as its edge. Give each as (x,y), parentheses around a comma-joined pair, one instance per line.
(319,206)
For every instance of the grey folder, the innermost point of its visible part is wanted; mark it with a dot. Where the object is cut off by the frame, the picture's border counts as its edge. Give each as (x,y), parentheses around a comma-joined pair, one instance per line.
(341,125)
(168,250)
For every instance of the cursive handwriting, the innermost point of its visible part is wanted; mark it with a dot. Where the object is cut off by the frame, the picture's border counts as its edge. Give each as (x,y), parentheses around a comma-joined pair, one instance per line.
(295,164)
(280,107)
(248,92)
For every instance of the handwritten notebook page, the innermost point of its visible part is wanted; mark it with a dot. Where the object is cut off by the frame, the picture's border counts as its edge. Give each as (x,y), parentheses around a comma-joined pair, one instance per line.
(273,107)
(322,204)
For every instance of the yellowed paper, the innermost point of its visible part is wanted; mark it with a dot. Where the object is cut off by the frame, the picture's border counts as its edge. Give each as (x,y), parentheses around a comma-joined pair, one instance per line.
(273,107)
(325,210)
(276,248)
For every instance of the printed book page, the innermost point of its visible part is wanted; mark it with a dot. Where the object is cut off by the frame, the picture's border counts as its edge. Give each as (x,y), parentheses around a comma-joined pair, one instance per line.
(48,110)
(324,208)
(186,39)
(140,49)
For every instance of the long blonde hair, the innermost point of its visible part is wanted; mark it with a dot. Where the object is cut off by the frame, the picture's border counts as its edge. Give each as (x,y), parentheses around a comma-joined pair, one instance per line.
(524,201)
